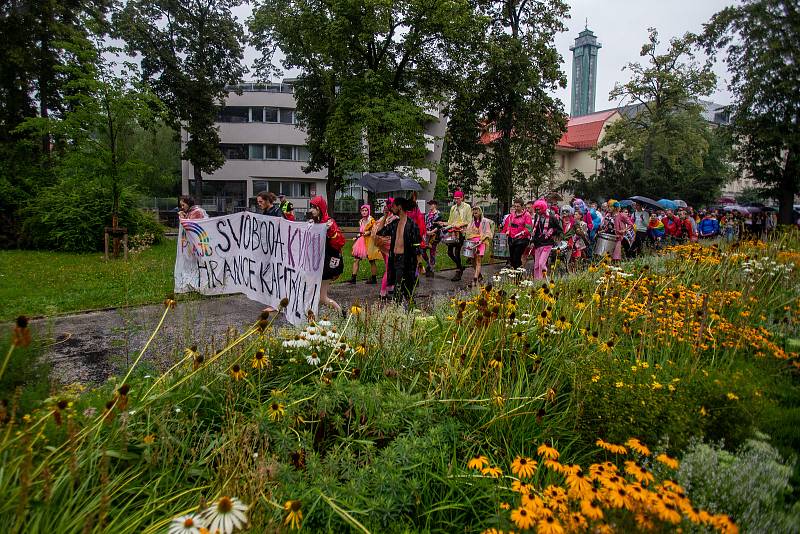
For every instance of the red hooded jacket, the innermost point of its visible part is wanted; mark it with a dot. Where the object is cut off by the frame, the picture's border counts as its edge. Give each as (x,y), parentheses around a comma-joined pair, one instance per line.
(335,235)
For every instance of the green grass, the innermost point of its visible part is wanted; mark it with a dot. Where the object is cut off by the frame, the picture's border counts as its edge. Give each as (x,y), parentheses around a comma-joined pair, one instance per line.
(39,283)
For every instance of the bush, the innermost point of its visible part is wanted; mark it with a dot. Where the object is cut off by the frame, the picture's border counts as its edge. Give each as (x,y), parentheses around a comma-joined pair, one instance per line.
(72,215)
(752,485)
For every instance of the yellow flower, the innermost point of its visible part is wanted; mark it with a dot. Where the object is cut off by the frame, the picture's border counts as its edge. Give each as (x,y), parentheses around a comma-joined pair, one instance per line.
(595,378)
(237,373)
(607,346)
(703,411)
(610,447)
(672,463)
(520,487)
(580,487)
(149,439)
(505,506)
(549,525)
(276,410)
(591,509)
(657,386)
(496,362)
(637,446)
(493,472)
(522,518)
(355,309)
(295,515)
(619,384)
(478,462)
(361,349)
(260,359)
(524,467)
(549,453)
(732,396)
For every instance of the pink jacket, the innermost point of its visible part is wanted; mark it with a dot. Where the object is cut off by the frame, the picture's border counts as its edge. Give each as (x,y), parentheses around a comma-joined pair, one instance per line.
(516,226)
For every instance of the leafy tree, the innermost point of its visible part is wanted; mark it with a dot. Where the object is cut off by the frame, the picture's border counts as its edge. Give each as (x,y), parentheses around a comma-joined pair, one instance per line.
(191,52)
(367,66)
(671,151)
(33,82)
(507,90)
(761,43)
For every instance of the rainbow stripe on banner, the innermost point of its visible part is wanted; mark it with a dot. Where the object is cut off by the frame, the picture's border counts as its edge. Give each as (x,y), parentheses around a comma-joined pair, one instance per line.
(197,236)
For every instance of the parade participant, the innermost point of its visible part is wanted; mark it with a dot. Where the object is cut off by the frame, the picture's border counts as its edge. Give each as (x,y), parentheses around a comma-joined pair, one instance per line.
(334,243)
(419,218)
(581,208)
(546,229)
(460,213)
(364,247)
(672,226)
(382,243)
(686,227)
(641,219)
(709,226)
(622,224)
(655,230)
(404,249)
(516,228)
(190,210)
(433,232)
(479,233)
(267,202)
(289,213)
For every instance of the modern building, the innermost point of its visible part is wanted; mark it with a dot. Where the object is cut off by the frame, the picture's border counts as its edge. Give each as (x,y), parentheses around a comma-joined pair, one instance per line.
(265,150)
(584,73)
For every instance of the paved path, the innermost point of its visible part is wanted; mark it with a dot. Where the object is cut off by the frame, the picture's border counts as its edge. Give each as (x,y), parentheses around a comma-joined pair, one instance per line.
(90,347)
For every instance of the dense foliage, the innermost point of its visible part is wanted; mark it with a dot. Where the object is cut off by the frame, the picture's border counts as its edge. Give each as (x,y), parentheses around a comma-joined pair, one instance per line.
(570,402)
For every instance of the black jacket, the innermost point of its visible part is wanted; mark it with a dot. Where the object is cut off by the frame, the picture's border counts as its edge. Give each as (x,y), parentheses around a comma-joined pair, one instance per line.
(411,240)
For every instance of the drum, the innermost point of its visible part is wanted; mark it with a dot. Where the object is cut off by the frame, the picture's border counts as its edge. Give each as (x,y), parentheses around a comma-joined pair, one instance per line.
(500,247)
(468,250)
(605,243)
(451,238)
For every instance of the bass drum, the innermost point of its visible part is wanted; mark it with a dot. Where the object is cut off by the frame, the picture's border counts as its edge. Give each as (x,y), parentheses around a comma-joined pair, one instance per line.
(605,243)
(500,246)
(451,238)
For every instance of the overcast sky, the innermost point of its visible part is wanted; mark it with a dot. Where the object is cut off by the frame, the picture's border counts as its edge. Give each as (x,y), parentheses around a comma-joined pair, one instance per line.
(621,28)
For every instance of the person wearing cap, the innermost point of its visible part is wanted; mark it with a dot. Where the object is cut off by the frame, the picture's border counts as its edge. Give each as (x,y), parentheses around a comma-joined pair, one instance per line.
(288,213)
(460,217)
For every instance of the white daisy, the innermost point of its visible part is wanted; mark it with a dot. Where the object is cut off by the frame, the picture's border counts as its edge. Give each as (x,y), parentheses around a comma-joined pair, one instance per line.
(186,524)
(225,516)
(312,359)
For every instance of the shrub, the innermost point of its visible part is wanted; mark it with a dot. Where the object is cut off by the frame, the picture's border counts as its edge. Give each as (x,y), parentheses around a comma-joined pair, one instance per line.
(72,215)
(752,484)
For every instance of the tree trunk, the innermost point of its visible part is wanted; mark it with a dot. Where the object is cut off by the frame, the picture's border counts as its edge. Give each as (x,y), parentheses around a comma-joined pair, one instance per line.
(198,185)
(332,185)
(788,188)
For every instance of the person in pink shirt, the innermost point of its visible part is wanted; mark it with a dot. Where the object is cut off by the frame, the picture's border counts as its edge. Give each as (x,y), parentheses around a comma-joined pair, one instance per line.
(517,228)
(622,225)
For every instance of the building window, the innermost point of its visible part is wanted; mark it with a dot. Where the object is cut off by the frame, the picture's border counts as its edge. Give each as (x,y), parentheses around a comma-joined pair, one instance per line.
(563,162)
(256,151)
(270,151)
(287,116)
(286,187)
(234,114)
(286,152)
(234,151)
(270,114)
(302,153)
(256,114)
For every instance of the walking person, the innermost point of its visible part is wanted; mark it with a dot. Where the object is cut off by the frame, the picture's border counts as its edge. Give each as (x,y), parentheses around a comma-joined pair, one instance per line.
(382,242)
(364,247)
(622,225)
(640,221)
(516,228)
(460,214)
(334,243)
(432,219)
(546,230)
(478,233)
(404,249)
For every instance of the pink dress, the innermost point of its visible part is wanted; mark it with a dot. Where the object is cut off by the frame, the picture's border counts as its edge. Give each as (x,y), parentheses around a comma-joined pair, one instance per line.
(621,225)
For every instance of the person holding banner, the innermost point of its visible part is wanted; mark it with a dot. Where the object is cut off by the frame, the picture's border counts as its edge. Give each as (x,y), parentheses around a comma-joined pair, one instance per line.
(334,264)
(190,210)
(267,201)
(404,249)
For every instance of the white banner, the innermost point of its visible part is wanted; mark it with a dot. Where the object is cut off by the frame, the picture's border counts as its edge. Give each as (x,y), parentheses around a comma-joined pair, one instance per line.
(266,258)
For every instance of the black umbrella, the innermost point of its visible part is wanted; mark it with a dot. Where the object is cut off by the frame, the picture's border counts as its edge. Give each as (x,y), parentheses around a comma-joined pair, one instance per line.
(647,202)
(384,182)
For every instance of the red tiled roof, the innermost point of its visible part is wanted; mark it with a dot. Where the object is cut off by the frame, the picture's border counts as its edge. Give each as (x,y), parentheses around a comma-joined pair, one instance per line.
(584,131)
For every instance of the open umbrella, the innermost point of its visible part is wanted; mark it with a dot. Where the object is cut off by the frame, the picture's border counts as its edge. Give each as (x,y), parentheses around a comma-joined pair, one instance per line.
(626,203)
(667,204)
(647,202)
(384,182)
(680,203)
(736,208)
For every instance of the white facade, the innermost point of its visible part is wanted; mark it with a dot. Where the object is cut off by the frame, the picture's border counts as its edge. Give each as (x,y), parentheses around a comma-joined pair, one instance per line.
(264,150)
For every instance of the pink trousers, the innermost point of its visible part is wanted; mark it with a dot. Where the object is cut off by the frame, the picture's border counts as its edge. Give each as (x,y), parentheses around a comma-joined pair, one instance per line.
(540,256)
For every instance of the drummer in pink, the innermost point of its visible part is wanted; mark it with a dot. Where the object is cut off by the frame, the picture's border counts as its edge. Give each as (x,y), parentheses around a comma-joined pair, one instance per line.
(622,225)
(546,229)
